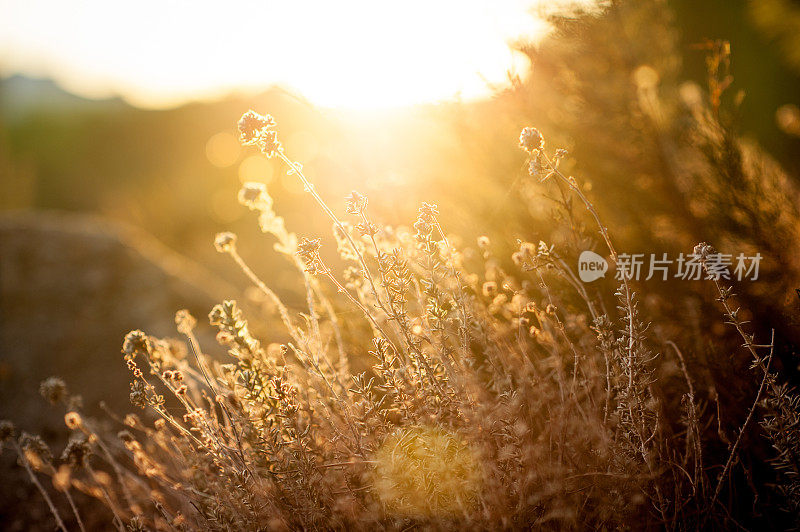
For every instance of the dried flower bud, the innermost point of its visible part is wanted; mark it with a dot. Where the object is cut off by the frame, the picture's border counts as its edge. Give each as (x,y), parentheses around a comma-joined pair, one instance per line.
(73,420)
(225,242)
(138,394)
(252,125)
(53,389)
(530,139)
(136,342)
(484,242)
(35,449)
(185,321)
(308,248)
(7,430)
(254,196)
(76,452)
(703,250)
(356,203)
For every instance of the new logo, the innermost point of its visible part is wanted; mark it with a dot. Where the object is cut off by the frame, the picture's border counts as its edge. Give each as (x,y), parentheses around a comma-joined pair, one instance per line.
(591,266)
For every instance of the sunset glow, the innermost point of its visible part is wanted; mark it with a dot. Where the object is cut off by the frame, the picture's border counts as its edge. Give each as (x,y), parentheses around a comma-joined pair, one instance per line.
(360,54)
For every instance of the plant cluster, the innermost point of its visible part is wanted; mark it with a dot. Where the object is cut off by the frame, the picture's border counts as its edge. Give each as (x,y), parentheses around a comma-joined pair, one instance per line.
(422,385)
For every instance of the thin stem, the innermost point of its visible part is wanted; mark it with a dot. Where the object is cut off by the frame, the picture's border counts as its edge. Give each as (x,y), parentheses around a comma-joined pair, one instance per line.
(24,461)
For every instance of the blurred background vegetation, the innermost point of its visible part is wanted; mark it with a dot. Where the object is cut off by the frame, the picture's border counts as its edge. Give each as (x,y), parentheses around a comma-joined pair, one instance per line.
(133,197)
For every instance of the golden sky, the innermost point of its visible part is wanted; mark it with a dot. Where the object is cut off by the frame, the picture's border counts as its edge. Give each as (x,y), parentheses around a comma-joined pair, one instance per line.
(339,53)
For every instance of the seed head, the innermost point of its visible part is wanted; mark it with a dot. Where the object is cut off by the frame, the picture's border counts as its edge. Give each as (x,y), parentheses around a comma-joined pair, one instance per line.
(76,452)
(703,250)
(185,321)
(73,420)
(308,248)
(254,131)
(530,139)
(138,394)
(35,448)
(254,196)
(7,430)
(53,389)
(225,242)
(252,125)
(136,342)
(356,203)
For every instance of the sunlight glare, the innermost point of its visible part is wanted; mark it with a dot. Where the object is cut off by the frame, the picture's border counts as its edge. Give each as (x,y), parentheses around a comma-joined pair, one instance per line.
(350,53)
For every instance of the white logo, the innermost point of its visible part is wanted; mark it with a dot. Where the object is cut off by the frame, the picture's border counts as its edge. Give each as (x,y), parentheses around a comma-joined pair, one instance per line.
(591,266)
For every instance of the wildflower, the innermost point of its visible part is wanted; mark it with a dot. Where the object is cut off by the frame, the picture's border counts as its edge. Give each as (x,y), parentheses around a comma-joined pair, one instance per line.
(254,131)
(138,395)
(53,389)
(425,221)
(76,452)
(428,212)
(366,229)
(703,250)
(185,321)
(530,139)
(224,338)
(73,420)
(225,242)
(254,196)
(252,125)
(308,250)
(35,449)
(356,203)
(136,342)
(217,315)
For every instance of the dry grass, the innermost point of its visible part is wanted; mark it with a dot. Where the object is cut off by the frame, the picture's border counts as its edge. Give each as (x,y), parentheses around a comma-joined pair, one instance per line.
(490,400)
(434,386)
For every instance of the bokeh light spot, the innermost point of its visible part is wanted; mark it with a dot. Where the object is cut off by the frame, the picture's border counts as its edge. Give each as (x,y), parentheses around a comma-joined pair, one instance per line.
(223,149)
(426,471)
(256,168)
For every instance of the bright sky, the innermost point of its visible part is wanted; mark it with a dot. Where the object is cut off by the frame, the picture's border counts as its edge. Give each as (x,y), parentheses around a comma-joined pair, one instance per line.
(347,53)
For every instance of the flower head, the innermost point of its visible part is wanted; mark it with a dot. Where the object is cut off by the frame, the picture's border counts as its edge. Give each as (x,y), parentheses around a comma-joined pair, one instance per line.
(356,203)
(76,452)
(308,248)
(136,342)
(224,242)
(185,321)
(254,131)
(530,139)
(73,420)
(252,125)
(254,196)
(53,389)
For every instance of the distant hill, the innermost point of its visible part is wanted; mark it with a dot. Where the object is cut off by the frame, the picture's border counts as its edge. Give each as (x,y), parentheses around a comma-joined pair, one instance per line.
(21,95)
